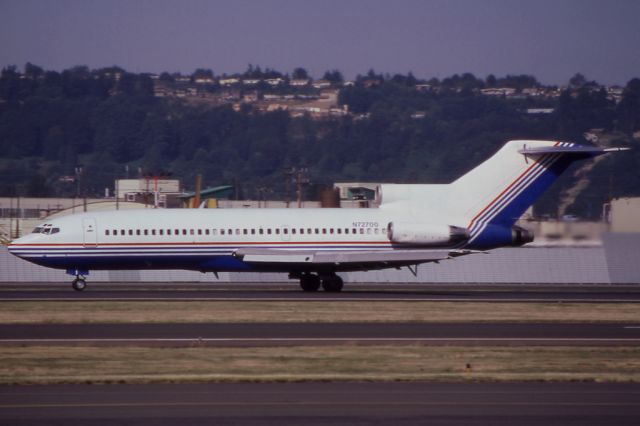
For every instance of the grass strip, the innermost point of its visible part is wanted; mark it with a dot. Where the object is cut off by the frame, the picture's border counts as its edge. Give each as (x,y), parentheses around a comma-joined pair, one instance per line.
(50,365)
(69,312)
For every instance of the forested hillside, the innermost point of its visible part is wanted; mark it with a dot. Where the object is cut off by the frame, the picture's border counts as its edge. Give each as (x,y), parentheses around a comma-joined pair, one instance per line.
(397,129)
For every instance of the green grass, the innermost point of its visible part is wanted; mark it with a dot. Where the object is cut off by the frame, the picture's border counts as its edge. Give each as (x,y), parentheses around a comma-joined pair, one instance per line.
(31,365)
(66,312)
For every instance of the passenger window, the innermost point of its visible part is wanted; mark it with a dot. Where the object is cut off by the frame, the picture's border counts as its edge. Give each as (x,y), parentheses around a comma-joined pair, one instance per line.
(245,232)
(317,231)
(168,231)
(354,231)
(38,229)
(331,231)
(199,231)
(377,231)
(106,231)
(269,231)
(302,230)
(339,230)
(161,231)
(368,230)
(293,230)
(253,231)
(122,232)
(277,231)
(146,232)
(214,231)
(230,231)
(324,230)
(55,230)
(285,231)
(260,231)
(191,231)
(137,232)
(222,232)
(130,231)
(184,232)
(153,232)
(237,231)
(362,230)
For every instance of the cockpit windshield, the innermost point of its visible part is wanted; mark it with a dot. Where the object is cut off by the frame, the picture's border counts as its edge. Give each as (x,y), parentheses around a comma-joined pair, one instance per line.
(47,229)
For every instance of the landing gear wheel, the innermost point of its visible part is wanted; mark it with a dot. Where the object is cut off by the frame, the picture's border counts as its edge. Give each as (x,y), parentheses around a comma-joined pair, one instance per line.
(310,282)
(79,284)
(332,284)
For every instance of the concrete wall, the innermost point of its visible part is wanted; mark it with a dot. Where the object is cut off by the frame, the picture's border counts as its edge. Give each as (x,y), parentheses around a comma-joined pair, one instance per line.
(618,261)
(625,215)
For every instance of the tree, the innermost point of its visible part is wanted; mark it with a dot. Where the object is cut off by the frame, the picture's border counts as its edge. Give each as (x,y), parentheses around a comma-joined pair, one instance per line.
(629,107)
(33,71)
(333,76)
(578,80)
(202,73)
(300,74)
(165,76)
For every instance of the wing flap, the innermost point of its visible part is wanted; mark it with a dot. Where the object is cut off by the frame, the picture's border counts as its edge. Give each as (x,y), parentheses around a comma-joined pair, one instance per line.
(258,256)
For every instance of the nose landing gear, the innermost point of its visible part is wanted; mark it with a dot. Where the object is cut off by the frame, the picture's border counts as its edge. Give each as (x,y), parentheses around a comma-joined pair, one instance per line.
(80,283)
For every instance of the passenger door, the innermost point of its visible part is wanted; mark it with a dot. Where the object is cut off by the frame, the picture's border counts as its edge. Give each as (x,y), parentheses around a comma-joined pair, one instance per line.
(89,232)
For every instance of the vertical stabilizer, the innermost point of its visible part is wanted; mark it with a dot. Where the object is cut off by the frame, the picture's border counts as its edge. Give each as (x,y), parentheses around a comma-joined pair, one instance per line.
(498,191)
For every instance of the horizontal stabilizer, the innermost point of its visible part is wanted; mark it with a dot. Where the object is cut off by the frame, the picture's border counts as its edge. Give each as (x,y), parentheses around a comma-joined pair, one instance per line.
(575,149)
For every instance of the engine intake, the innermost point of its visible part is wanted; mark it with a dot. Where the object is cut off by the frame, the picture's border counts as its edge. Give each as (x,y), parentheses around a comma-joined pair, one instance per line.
(425,234)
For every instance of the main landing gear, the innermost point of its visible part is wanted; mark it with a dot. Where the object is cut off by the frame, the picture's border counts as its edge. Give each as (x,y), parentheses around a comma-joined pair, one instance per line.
(330,283)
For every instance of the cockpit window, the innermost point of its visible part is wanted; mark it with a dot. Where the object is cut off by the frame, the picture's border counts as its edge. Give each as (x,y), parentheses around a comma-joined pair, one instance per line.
(46,229)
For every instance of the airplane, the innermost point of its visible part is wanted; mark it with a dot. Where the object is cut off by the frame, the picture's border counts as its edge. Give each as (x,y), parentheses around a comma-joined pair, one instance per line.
(414,224)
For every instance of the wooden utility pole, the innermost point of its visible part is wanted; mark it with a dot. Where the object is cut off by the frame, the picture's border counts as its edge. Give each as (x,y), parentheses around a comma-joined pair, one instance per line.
(196,198)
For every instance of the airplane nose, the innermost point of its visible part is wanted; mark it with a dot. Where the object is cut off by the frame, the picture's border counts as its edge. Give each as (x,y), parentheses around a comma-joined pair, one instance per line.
(14,247)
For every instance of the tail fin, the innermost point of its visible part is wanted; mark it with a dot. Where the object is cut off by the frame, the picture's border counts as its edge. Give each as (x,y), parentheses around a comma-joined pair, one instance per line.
(498,191)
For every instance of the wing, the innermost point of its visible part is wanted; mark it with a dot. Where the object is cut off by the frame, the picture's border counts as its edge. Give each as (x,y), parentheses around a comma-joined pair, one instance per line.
(343,260)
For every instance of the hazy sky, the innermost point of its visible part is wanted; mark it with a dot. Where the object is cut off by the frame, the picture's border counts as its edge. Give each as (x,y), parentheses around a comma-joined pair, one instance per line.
(551,39)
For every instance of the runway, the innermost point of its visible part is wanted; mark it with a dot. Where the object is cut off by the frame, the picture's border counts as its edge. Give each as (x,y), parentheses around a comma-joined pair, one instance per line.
(291,292)
(323,403)
(304,334)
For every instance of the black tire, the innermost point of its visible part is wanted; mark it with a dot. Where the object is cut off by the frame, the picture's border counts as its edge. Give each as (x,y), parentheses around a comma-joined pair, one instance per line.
(79,284)
(332,284)
(309,282)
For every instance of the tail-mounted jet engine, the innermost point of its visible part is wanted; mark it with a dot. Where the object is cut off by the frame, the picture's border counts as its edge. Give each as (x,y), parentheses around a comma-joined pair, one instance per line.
(425,234)
(520,236)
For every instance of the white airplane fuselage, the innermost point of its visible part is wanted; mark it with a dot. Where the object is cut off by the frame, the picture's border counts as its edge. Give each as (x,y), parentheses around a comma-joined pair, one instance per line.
(199,239)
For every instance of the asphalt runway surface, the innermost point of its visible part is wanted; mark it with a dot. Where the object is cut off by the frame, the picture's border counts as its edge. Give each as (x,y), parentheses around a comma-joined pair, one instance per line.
(338,404)
(299,334)
(353,291)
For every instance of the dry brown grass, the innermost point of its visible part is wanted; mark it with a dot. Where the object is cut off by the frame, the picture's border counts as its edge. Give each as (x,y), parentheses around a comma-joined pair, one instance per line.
(22,365)
(65,312)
